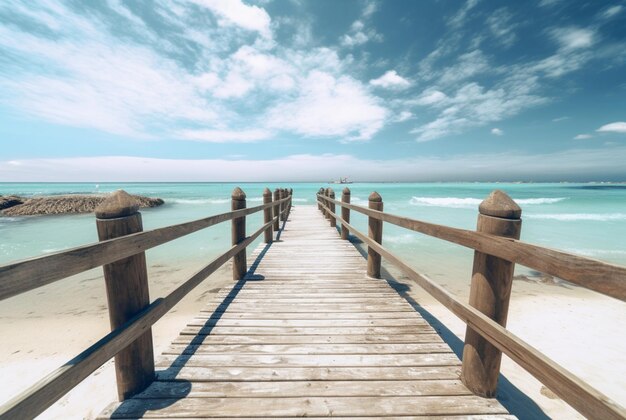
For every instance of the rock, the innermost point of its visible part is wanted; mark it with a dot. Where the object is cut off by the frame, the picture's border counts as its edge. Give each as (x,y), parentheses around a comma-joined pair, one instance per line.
(8,201)
(64,204)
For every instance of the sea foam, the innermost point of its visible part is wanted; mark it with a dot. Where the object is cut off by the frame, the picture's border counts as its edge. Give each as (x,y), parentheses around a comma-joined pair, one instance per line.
(458,202)
(572,217)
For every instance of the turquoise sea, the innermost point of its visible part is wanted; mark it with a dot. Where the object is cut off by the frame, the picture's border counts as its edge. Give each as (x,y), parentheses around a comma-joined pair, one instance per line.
(586,219)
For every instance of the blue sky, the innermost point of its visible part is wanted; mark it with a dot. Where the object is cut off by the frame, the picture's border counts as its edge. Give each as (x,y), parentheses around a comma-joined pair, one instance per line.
(224,90)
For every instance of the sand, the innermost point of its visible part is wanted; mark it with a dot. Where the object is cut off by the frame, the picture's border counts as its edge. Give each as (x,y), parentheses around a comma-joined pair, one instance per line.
(48,326)
(577,328)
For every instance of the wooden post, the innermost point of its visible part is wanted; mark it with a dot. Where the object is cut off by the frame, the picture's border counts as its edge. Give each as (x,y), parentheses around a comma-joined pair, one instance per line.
(127,292)
(267,215)
(283,206)
(345,212)
(375,231)
(327,212)
(276,210)
(490,291)
(238,229)
(319,200)
(333,221)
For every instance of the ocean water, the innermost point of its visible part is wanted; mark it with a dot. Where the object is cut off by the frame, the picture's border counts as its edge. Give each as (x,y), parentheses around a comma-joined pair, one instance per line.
(586,219)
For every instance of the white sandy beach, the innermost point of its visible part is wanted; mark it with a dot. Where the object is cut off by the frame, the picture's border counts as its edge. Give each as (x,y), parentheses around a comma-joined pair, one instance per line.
(50,325)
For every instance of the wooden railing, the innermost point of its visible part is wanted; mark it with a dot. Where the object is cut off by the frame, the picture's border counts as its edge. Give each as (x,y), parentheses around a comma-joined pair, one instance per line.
(121,253)
(497,249)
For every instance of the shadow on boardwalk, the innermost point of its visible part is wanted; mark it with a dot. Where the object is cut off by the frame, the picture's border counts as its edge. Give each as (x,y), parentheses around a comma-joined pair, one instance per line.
(183,387)
(510,396)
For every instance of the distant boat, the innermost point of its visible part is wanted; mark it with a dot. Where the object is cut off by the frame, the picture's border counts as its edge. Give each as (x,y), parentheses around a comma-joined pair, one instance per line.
(342,181)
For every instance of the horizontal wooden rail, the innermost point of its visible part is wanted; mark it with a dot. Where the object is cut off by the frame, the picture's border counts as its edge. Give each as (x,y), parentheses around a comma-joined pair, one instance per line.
(22,276)
(584,398)
(37,398)
(608,279)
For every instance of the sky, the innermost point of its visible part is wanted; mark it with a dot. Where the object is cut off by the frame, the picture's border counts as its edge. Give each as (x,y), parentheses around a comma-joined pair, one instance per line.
(296,90)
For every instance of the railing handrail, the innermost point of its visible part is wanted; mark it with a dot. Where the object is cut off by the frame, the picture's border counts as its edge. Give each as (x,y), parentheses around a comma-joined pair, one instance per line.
(599,276)
(38,397)
(573,390)
(25,275)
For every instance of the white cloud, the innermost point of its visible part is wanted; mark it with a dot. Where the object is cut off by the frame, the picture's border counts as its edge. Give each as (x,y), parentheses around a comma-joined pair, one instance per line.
(616,127)
(141,87)
(501,25)
(391,80)
(403,116)
(497,132)
(574,38)
(235,12)
(559,119)
(583,137)
(429,97)
(330,106)
(473,106)
(549,3)
(612,11)
(575,164)
(359,35)
(225,136)
(459,17)
(468,65)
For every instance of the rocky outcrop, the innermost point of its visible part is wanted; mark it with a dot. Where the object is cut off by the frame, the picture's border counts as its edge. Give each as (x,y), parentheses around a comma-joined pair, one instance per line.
(63,204)
(7,201)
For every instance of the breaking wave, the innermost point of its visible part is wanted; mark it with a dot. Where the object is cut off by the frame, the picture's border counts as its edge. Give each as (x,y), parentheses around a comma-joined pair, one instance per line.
(571,217)
(457,202)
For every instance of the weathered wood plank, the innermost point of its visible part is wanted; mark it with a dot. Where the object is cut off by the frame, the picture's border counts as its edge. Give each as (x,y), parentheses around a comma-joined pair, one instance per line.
(309,315)
(391,348)
(222,373)
(199,330)
(427,337)
(161,389)
(303,360)
(305,407)
(398,322)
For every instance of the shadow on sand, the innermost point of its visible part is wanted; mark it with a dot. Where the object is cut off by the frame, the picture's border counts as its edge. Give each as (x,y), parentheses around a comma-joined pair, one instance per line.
(511,397)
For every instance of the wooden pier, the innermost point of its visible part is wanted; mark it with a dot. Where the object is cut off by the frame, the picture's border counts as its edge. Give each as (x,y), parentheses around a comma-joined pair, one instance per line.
(309,328)
(307,334)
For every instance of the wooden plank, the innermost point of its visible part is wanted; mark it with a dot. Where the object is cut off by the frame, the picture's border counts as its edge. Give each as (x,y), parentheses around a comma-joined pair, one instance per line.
(199,330)
(307,307)
(309,315)
(395,301)
(414,337)
(305,407)
(365,373)
(304,360)
(398,322)
(390,348)
(462,417)
(285,389)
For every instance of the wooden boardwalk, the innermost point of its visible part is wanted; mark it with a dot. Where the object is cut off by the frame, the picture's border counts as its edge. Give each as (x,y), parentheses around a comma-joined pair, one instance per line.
(308,334)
